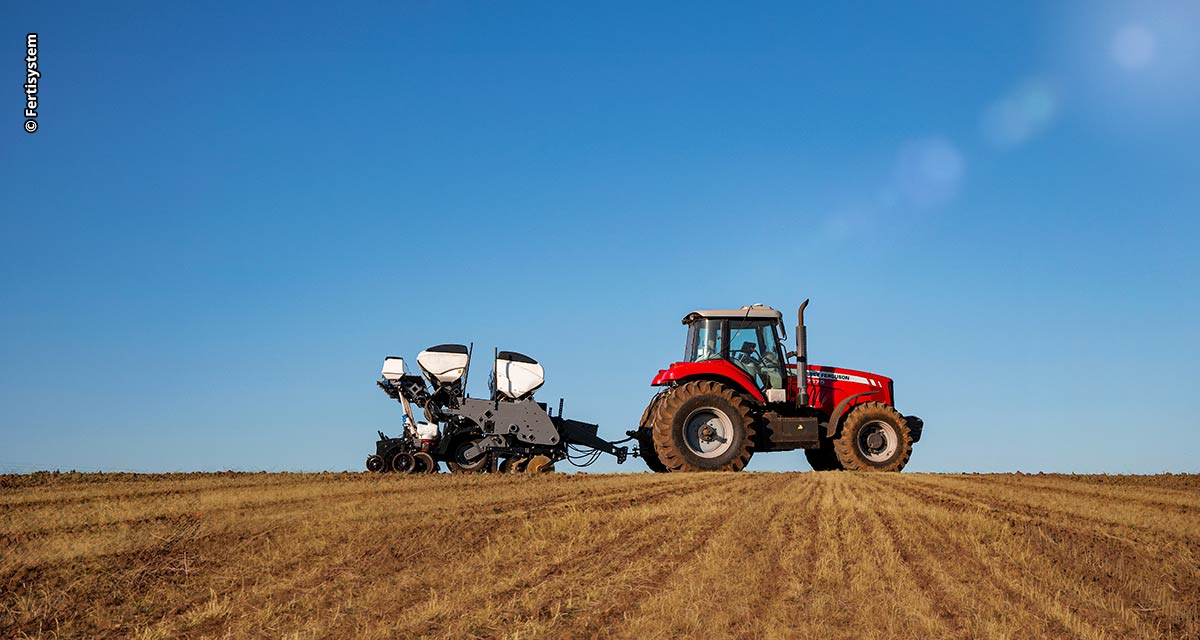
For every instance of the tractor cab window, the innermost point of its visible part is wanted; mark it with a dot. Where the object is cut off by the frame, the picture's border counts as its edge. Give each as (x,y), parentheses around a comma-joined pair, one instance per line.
(704,341)
(754,348)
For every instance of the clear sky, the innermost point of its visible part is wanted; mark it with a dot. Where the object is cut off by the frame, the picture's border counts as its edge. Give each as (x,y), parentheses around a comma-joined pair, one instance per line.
(230,215)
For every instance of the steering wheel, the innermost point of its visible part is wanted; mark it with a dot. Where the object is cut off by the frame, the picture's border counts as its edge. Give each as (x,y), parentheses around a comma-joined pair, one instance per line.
(748,357)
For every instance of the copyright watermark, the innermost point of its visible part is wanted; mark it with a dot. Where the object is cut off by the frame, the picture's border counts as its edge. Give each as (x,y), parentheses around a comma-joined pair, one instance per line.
(32,76)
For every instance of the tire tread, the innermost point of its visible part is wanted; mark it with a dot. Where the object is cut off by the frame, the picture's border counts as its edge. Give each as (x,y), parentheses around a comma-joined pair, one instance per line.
(672,458)
(843,444)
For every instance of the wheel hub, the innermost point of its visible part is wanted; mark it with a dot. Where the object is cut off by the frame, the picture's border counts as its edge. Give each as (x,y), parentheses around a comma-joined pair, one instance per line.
(878,441)
(707,432)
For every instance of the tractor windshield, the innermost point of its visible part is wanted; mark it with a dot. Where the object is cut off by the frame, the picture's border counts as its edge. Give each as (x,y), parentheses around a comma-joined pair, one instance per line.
(704,341)
(754,348)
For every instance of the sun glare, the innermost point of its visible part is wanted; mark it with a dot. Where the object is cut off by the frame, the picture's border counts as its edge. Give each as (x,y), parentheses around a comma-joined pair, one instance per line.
(1133,47)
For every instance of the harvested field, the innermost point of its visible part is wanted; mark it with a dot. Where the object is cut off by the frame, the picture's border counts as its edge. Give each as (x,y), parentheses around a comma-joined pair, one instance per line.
(821,555)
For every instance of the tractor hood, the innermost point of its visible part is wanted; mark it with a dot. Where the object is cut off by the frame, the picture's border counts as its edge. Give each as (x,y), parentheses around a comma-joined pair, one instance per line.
(830,384)
(819,374)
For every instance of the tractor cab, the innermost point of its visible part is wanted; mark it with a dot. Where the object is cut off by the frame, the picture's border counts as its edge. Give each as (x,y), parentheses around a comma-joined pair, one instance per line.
(749,338)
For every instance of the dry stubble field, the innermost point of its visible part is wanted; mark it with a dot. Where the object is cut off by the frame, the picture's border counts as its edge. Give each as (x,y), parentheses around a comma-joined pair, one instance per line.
(817,555)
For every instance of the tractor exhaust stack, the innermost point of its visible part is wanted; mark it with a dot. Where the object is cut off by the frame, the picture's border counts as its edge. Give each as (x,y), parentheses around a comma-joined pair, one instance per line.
(801,358)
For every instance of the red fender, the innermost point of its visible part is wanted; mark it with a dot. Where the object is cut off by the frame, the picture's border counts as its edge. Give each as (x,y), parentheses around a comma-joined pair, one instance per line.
(722,370)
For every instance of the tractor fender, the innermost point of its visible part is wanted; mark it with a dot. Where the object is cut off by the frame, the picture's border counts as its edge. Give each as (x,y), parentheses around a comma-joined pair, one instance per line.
(716,370)
(836,417)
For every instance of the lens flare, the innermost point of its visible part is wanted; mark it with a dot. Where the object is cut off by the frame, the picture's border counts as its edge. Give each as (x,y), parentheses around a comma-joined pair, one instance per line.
(1133,47)
(928,173)
(1021,115)
(1130,67)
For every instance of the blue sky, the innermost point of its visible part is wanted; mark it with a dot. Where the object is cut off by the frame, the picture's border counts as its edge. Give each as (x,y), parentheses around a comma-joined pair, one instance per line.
(229,216)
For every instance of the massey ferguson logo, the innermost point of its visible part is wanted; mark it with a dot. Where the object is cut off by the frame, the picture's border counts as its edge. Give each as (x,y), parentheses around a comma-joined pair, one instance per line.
(841,377)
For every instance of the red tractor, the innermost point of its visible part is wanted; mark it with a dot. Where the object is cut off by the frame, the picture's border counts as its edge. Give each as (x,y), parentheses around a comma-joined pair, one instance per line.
(735,394)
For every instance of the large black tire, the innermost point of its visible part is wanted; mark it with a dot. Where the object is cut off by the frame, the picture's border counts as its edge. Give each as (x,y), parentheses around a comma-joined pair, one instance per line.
(679,428)
(645,438)
(823,458)
(458,464)
(874,437)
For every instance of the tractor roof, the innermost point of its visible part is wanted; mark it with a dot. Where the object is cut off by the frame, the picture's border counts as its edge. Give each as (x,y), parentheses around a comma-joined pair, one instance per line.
(754,311)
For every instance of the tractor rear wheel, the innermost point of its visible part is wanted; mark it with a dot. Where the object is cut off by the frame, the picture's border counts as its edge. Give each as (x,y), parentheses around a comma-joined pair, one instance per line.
(823,458)
(703,426)
(645,438)
(874,437)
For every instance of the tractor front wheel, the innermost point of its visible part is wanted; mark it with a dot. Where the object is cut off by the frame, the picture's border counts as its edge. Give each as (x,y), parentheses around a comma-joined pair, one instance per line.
(874,437)
(703,426)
